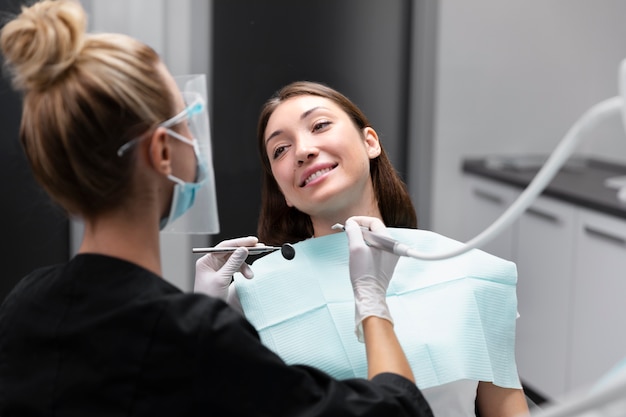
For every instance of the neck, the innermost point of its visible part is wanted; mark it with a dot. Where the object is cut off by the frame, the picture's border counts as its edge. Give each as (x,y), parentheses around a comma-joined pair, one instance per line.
(322,224)
(126,237)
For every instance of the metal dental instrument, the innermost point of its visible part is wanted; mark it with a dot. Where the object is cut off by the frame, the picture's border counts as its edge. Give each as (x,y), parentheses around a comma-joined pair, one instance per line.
(381,242)
(286,250)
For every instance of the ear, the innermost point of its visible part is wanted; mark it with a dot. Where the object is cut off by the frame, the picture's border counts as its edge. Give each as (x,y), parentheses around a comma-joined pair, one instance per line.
(160,151)
(372,144)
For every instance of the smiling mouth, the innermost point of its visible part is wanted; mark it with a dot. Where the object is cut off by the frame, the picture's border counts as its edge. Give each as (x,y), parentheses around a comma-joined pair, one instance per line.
(317,174)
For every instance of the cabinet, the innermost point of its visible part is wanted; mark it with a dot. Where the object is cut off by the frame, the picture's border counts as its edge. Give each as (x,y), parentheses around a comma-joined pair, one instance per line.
(571,265)
(544,254)
(599,295)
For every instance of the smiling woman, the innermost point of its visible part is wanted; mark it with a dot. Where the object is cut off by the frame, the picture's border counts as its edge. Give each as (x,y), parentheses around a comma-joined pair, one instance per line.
(322,163)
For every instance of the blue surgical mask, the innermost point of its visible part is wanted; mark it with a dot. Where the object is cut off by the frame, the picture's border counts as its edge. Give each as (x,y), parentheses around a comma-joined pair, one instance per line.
(184,192)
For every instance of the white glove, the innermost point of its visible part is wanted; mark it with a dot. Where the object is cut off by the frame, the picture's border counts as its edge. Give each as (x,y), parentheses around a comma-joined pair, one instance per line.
(370,271)
(214,271)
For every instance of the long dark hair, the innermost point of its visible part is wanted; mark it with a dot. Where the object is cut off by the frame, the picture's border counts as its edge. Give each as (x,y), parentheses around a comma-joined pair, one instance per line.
(279,223)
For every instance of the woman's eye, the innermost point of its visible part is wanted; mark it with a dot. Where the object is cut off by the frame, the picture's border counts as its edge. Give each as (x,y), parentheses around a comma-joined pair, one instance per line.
(278,151)
(320,125)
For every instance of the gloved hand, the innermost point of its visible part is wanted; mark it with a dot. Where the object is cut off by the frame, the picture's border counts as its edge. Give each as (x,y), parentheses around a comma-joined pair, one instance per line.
(371,270)
(214,271)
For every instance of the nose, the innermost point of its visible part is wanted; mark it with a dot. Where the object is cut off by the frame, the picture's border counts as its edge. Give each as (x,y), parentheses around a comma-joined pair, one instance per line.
(305,151)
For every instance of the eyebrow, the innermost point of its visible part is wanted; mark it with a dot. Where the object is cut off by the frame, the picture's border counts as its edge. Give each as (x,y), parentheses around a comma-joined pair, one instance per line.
(302,117)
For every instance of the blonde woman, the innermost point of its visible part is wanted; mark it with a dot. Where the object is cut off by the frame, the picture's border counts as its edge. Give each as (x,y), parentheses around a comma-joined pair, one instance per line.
(108,135)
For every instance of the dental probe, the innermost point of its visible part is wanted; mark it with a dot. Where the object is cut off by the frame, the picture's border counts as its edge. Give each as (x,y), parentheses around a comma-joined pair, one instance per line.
(379,241)
(286,250)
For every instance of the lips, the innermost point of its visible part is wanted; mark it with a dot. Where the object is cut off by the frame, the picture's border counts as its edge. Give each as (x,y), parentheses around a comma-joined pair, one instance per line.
(316,174)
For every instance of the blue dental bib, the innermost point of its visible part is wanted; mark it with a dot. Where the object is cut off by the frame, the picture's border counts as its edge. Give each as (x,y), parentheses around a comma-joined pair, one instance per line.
(455,318)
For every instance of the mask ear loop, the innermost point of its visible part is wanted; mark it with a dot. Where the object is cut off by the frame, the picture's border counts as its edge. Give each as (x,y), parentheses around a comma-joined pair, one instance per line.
(201,174)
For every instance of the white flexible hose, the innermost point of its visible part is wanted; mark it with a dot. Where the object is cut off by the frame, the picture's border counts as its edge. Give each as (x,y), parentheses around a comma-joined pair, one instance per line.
(595,115)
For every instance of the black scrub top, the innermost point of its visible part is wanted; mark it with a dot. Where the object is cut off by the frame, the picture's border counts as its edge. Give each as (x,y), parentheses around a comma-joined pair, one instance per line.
(100,336)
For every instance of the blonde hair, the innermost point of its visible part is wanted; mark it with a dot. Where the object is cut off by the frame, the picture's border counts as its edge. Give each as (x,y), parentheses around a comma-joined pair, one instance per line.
(84,95)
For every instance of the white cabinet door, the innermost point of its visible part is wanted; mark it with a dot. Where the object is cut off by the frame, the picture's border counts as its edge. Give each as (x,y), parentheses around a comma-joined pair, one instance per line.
(599,299)
(545,246)
(487,200)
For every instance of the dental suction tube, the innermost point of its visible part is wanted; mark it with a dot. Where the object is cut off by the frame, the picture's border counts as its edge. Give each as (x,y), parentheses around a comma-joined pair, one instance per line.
(592,117)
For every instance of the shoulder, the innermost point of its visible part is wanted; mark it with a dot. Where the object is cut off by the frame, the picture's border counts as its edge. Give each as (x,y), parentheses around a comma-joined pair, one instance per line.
(202,317)
(30,286)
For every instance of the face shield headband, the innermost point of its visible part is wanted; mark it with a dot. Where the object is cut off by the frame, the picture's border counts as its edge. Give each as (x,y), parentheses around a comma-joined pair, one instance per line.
(194,205)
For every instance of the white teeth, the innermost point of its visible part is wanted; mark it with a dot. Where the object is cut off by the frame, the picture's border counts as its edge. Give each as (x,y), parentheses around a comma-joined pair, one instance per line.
(317,174)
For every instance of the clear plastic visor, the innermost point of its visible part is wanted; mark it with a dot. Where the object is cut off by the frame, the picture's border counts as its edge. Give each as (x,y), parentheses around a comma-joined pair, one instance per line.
(202,217)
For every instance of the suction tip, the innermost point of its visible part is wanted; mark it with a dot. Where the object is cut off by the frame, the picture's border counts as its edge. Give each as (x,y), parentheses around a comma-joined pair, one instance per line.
(287,251)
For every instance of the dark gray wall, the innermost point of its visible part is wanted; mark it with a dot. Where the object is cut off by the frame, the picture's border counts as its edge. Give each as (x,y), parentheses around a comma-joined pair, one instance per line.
(360,47)
(34,231)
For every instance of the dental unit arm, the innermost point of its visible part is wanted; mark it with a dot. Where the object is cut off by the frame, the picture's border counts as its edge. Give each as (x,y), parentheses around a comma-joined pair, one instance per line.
(587,122)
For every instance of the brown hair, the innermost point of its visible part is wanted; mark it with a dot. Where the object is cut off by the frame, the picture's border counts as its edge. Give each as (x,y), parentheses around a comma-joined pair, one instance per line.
(279,223)
(84,95)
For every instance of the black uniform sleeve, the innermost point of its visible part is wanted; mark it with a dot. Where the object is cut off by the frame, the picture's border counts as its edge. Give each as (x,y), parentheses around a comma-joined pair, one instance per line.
(238,376)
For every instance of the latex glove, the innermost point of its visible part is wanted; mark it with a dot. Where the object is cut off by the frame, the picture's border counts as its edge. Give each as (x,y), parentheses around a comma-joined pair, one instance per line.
(214,271)
(371,270)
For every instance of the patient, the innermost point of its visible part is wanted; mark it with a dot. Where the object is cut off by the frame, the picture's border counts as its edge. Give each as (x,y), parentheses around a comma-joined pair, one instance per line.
(323,163)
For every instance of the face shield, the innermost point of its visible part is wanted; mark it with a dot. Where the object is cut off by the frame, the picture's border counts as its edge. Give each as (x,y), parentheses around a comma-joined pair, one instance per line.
(202,217)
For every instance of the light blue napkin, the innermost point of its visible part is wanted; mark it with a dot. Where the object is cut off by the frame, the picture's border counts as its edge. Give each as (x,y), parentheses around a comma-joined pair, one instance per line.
(455,318)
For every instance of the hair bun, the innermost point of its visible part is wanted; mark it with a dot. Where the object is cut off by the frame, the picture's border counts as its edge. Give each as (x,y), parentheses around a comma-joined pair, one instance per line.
(43,42)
